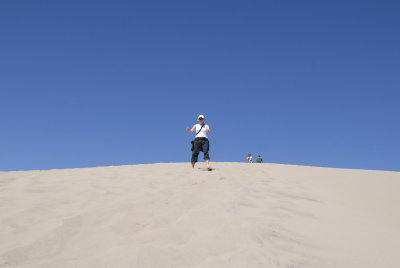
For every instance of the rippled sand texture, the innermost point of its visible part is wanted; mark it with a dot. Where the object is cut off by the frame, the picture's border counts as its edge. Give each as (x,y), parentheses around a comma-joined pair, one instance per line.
(171,216)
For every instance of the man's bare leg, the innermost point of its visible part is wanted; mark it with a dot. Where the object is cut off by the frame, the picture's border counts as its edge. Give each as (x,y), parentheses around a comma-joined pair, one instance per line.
(193,163)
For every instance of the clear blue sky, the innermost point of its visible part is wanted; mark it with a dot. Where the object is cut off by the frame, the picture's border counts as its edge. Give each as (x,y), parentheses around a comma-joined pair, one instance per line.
(96,83)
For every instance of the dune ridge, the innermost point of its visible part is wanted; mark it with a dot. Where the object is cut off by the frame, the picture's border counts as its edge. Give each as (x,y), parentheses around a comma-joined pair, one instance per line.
(169,215)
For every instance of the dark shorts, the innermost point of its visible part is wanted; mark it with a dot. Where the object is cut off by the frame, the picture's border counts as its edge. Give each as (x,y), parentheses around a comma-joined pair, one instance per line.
(200,144)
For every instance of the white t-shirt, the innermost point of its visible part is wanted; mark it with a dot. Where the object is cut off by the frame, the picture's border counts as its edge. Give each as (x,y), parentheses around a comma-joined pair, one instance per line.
(202,133)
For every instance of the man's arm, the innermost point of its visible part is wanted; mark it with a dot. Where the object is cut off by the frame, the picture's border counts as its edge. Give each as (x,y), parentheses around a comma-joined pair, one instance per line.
(208,130)
(191,130)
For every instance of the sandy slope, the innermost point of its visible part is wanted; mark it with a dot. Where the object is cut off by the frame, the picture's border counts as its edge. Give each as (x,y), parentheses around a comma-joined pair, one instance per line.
(168,215)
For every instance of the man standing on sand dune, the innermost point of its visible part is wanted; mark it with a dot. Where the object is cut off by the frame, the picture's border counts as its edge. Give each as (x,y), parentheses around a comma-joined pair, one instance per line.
(201,142)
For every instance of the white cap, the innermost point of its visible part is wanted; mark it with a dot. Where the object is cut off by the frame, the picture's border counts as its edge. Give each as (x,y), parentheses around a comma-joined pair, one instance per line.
(200,116)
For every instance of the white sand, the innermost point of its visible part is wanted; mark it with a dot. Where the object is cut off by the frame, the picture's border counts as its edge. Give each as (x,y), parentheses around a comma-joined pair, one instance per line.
(168,215)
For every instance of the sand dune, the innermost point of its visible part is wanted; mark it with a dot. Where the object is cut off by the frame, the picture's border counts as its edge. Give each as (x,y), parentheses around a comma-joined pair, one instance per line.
(170,216)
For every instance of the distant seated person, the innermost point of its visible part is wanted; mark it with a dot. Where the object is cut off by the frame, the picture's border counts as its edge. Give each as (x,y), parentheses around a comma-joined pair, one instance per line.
(249,159)
(259,159)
